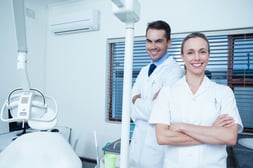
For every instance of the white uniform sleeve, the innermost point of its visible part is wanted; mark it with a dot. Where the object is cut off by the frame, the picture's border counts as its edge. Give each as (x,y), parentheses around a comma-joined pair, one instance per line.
(161,108)
(142,107)
(166,74)
(174,73)
(228,106)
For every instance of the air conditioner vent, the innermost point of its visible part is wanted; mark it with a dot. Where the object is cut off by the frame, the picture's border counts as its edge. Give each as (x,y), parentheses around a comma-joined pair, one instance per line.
(72,18)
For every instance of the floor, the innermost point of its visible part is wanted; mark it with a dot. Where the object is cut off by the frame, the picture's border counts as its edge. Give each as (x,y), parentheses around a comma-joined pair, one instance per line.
(88,165)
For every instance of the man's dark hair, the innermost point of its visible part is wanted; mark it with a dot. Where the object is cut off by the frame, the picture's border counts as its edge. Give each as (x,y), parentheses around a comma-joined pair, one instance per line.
(160,25)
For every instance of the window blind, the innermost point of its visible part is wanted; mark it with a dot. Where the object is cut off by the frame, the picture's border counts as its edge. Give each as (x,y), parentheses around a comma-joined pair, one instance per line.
(241,76)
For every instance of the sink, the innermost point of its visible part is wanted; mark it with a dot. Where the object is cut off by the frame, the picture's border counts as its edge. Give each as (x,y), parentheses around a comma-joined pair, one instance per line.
(246,142)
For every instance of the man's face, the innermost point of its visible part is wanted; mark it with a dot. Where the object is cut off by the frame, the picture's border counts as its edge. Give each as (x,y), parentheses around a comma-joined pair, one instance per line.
(156,43)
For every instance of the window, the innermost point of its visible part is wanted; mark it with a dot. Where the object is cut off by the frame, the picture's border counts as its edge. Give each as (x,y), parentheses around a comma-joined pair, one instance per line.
(231,63)
(115,90)
(240,76)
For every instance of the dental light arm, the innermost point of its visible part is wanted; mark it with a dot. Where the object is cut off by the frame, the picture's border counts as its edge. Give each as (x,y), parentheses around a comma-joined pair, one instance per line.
(128,12)
(26,104)
(19,17)
(20,24)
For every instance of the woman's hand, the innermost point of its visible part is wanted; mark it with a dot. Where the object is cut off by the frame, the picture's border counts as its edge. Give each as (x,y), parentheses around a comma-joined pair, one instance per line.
(224,120)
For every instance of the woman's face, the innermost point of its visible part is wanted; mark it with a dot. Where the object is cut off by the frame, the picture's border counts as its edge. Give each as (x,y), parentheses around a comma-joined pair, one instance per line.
(156,43)
(195,55)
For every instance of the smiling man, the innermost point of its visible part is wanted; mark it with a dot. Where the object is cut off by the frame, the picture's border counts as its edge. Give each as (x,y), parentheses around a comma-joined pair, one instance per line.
(161,71)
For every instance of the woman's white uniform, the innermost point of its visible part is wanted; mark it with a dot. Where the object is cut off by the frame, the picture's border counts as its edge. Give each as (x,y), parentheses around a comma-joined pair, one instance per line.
(144,150)
(178,104)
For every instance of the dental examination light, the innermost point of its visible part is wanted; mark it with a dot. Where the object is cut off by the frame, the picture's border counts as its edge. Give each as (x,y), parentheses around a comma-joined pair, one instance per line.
(127,12)
(26,104)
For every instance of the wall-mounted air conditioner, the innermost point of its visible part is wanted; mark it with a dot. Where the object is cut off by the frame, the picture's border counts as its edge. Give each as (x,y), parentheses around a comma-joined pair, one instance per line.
(72,18)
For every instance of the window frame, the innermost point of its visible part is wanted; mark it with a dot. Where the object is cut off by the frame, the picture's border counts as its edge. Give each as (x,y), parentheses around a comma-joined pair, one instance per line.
(231,33)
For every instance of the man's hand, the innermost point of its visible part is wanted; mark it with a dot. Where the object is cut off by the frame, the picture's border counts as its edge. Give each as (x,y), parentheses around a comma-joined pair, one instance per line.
(136,97)
(155,95)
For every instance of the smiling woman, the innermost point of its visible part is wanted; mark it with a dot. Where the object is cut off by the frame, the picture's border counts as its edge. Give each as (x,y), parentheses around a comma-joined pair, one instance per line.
(196,117)
(195,52)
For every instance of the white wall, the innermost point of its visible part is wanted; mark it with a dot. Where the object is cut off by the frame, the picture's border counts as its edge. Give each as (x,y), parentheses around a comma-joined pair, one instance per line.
(7,55)
(72,68)
(194,15)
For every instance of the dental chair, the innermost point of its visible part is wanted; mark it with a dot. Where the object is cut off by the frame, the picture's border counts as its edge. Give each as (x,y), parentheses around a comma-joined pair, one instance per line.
(39,148)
